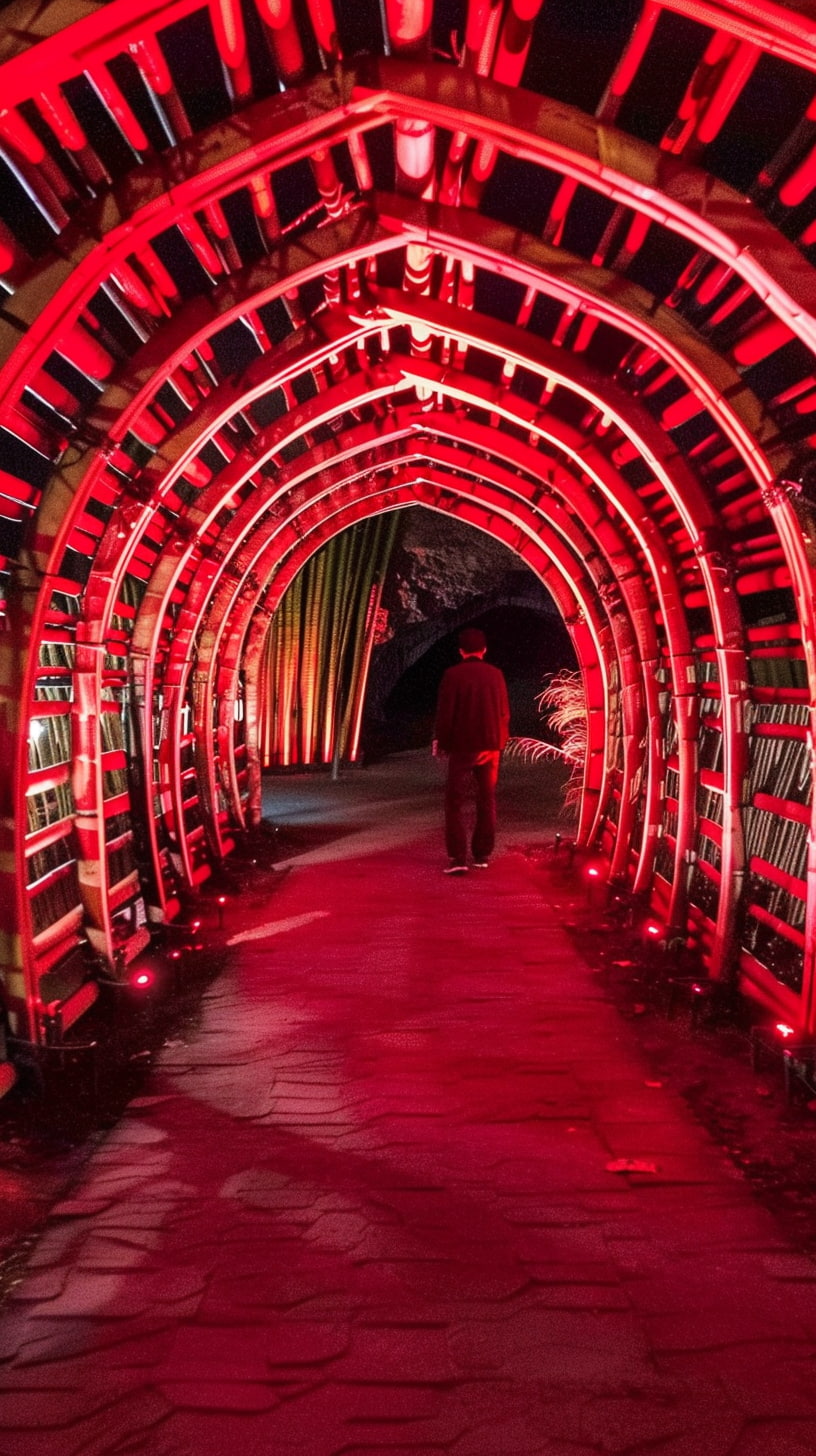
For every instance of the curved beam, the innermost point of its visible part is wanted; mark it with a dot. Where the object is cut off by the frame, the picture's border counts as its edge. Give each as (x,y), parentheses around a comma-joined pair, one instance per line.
(682,199)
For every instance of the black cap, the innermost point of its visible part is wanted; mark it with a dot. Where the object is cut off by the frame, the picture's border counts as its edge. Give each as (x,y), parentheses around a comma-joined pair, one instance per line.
(472,639)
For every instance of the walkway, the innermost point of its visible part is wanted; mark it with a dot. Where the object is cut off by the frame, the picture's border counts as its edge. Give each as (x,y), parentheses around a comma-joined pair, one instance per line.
(367,1207)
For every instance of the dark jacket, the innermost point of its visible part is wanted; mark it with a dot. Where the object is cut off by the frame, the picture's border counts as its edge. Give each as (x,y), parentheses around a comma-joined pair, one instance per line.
(472,713)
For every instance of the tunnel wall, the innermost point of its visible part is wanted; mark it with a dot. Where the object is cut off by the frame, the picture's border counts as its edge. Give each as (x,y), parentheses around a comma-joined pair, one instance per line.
(255,298)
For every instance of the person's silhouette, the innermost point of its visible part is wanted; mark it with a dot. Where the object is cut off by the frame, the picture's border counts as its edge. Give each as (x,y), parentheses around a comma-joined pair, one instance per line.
(472,726)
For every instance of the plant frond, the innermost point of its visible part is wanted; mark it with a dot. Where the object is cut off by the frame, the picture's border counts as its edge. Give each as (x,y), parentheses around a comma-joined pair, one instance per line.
(562,704)
(531,750)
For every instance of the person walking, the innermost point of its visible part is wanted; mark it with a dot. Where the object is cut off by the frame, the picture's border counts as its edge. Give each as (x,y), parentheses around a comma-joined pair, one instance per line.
(472,727)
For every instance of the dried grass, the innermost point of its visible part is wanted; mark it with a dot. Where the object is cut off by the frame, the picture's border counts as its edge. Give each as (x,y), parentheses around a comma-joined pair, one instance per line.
(563,708)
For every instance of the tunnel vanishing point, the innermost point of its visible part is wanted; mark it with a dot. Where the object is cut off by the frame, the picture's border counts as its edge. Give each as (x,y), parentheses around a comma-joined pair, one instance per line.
(272,267)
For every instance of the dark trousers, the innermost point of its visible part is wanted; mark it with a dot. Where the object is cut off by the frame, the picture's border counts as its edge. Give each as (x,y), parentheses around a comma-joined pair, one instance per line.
(465,769)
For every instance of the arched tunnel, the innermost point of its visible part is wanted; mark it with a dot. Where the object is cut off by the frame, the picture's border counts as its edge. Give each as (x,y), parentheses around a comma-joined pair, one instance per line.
(273,269)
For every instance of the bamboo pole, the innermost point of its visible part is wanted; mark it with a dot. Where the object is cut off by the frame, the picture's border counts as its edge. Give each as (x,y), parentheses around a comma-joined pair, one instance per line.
(382,557)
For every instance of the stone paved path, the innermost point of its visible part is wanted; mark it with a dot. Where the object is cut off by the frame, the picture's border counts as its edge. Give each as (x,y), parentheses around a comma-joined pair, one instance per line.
(366,1206)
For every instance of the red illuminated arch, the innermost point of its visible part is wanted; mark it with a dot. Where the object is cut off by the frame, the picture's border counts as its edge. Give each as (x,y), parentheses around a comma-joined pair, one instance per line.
(628,440)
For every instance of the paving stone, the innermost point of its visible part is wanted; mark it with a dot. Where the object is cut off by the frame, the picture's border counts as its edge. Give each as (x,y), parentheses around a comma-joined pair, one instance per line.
(299,1342)
(122,1421)
(50,1344)
(790,1266)
(396,1355)
(37,1287)
(714,1330)
(625,1422)
(95,1295)
(209,1394)
(80,1207)
(785,1438)
(109,1255)
(53,1408)
(195,1431)
(134,1133)
(439,1278)
(566,1294)
(511,1436)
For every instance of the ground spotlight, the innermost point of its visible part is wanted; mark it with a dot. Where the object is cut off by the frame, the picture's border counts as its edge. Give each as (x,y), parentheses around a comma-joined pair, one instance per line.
(594,884)
(148,976)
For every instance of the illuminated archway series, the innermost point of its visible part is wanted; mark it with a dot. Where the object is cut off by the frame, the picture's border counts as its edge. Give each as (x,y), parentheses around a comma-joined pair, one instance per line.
(271,268)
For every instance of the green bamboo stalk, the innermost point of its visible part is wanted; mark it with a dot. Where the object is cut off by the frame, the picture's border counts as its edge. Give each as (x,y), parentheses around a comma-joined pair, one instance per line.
(310,673)
(361,617)
(287,669)
(332,647)
(265,701)
(381,556)
(351,633)
(357,556)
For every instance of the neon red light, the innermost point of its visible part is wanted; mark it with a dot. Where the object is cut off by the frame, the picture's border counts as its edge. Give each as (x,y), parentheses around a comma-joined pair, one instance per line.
(800,182)
(762,341)
(8,253)
(784,1030)
(636,49)
(593,872)
(228,28)
(144,978)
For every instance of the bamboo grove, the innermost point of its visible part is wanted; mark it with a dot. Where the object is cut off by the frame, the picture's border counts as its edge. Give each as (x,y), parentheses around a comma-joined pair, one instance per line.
(319,649)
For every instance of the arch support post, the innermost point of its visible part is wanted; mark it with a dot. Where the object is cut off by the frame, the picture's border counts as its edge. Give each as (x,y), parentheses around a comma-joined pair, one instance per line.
(17,973)
(725,950)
